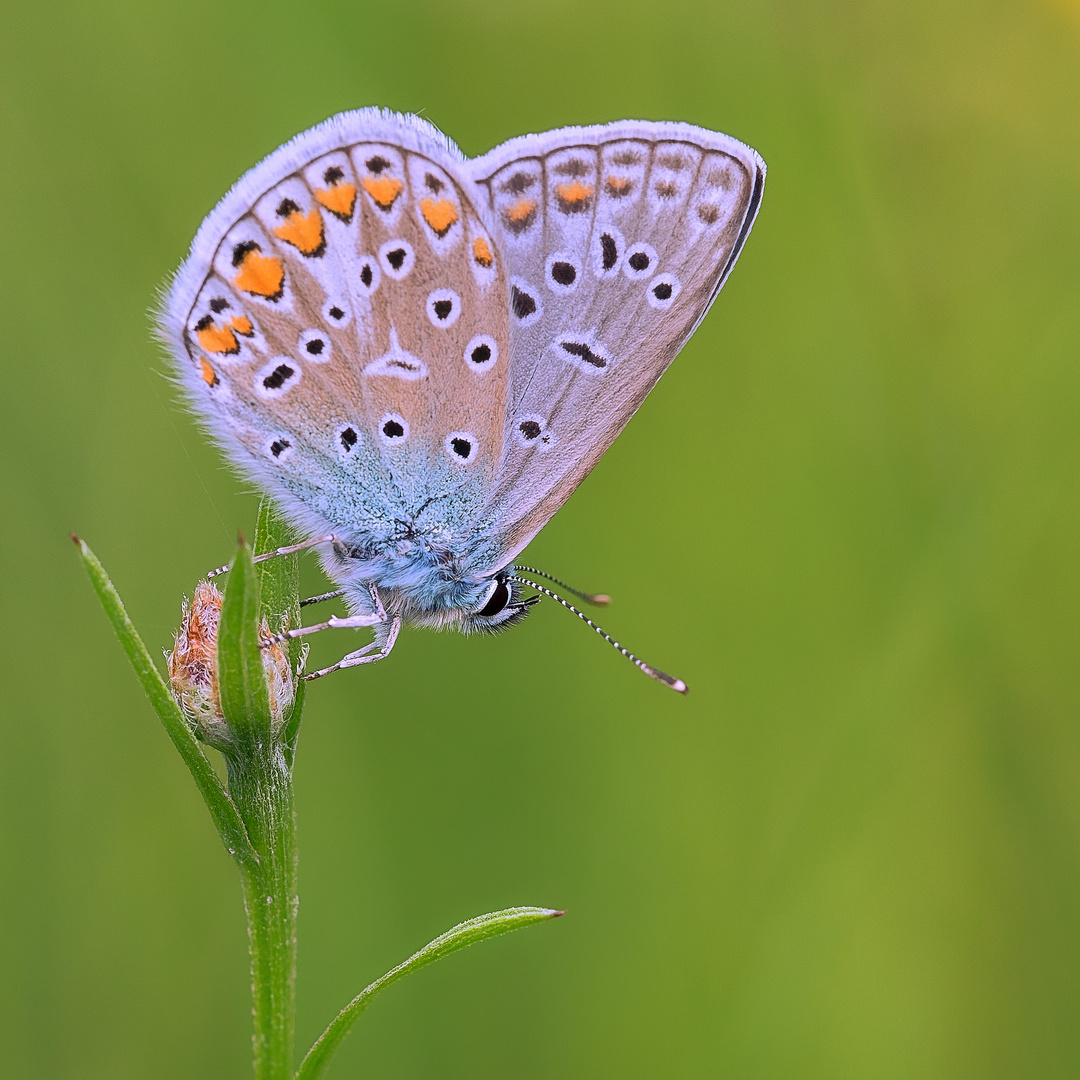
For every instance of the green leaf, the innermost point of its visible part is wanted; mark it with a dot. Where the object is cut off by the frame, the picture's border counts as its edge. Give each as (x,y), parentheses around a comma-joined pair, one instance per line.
(461,936)
(279,577)
(279,593)
(225,816)
(245,699)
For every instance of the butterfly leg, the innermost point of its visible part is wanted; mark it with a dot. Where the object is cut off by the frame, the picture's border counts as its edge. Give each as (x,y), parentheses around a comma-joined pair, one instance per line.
(321,597)
(368,654)
(287,550)
(376,616)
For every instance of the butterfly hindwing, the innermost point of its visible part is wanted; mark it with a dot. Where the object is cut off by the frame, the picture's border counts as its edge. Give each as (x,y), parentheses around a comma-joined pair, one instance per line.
(342,328)
(617,240)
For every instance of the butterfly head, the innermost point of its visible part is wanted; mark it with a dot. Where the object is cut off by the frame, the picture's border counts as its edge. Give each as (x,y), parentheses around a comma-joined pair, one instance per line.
(500,605)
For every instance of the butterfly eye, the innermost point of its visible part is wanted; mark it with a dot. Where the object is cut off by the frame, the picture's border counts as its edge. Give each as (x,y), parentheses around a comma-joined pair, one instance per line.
(497,598)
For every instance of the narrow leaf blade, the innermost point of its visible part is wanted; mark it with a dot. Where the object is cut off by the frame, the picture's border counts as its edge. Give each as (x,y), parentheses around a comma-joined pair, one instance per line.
(279,601)
(279,578)
(225,816)
(459,937)
(245,698)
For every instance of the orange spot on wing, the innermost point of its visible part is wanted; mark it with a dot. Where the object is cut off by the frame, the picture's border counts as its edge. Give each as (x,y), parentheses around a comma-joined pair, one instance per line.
(384,190)
(574,196)
(218,339)
(520,211)
(261,275)
(305,233)
(439,214)
(481,252)
(339,199)
(520,216)
(619,185)
(209,377)
(242,325)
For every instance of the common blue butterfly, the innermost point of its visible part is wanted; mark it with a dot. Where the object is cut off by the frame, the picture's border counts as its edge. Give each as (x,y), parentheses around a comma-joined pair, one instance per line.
(420,356)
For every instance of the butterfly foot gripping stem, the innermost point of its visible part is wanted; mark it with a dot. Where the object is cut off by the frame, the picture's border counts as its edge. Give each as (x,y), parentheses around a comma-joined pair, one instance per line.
(368,654)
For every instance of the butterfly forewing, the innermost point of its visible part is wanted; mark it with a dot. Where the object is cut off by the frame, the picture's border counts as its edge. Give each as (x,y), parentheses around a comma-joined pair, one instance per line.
(344,323)
(426,355)
(617,239)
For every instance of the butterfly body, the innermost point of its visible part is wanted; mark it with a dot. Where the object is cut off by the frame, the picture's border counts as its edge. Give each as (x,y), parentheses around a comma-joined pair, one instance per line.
(423,355)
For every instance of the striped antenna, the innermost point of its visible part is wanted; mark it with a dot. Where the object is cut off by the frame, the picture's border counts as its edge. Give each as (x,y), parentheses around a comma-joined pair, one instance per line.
(596,599)
(676,684)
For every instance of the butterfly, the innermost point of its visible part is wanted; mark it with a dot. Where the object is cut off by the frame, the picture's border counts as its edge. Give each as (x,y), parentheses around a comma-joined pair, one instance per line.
(420,356)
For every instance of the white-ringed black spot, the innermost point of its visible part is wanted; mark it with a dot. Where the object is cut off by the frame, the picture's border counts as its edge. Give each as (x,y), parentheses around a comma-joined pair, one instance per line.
(562,271)
(276,377)
(218,304)
(461,446)
(335,312)
(348,438)
(609,251)
(443,307)
(522,303)
(286,207)
(205,322)
(481,354)
(640,262)
(433,183)
(579,348)
(315,345)
(393,429)
(525,302)
(368,274)
(397,258)
(531,432)
(333,175)
(377,164)
(280,447)
(662,291)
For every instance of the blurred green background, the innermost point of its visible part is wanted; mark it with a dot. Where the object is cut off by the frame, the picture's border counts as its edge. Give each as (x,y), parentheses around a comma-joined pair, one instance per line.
(854,850)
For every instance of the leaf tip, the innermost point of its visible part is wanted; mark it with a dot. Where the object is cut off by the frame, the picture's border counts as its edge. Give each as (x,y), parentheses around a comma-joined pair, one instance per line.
(76,540)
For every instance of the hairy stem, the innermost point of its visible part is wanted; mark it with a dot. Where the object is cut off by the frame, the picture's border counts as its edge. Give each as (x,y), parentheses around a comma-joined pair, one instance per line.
(261,787)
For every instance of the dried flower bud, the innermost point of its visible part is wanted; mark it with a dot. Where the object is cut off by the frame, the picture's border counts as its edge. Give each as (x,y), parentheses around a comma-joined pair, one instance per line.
(193,669)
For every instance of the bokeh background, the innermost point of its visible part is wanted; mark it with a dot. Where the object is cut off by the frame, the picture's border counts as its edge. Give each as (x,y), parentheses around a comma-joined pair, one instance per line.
(849,517)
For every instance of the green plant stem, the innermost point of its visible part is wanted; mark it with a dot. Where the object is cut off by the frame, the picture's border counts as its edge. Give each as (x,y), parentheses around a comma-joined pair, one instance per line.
(261,788)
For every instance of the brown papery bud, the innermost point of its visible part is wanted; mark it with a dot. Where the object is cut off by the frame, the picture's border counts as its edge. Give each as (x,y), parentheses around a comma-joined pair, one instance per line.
(193,669)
